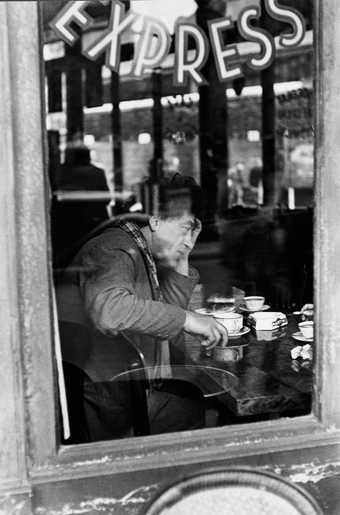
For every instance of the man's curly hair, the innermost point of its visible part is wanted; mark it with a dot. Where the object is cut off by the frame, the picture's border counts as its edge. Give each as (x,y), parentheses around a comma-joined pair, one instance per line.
(180,194)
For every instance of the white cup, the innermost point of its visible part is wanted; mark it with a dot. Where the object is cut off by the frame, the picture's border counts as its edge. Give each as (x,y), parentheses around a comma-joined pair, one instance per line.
(254,303)
(307,329)
(233,322)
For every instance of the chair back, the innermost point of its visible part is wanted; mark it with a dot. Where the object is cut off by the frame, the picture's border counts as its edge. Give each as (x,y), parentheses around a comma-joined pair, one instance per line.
(81,421)
(138,385)
(64,256)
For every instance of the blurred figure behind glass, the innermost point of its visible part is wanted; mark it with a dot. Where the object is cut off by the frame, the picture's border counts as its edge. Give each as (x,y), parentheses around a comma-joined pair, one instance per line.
(78,173)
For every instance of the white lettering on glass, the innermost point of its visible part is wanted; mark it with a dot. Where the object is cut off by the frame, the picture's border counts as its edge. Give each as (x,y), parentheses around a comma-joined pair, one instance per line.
(152,48)
(72,12)
(257,35)
(184,68)
(291,16)
(221,51)
(153,44)
(110,41)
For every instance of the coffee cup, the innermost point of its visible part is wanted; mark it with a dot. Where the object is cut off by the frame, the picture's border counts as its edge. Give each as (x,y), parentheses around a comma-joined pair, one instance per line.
(307,329)
(254,302)
(233,322)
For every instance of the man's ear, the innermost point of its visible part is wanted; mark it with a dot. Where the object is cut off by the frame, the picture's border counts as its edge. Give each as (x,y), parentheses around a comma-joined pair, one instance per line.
(153,223)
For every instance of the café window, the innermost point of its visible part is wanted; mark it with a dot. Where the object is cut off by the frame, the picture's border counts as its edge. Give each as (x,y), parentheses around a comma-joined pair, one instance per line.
(181,174)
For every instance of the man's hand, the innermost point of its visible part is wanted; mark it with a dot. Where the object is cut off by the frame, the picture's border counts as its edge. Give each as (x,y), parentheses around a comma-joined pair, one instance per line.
(207,328)
(307,307)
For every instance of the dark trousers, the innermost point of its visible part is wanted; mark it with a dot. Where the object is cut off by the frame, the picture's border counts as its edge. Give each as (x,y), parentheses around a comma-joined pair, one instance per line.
(175,405)
(108,412)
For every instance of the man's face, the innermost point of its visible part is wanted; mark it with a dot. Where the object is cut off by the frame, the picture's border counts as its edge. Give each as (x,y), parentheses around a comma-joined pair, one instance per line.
(172,238)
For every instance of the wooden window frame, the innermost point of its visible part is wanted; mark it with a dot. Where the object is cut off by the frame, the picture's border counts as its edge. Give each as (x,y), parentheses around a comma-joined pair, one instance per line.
(27,263)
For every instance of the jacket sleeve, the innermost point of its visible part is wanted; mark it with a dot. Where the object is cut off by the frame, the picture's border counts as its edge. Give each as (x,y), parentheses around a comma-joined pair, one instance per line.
(176,288)
(107,286)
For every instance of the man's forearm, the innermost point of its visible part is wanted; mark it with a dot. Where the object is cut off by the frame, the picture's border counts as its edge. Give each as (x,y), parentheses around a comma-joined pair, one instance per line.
(117,310)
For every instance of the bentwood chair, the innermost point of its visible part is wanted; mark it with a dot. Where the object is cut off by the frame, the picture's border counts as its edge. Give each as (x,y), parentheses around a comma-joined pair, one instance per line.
(75,386)
(154,398)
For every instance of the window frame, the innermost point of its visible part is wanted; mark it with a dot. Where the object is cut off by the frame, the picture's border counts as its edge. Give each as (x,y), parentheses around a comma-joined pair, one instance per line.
(26,187)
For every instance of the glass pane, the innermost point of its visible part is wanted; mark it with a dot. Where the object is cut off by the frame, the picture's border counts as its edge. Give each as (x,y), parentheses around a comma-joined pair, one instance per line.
(191,145)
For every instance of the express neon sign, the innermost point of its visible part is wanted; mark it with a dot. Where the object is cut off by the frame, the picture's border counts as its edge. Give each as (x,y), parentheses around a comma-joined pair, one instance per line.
(153,43)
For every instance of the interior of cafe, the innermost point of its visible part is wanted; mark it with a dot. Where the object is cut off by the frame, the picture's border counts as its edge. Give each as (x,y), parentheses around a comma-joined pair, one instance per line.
(169,251)
(116,136)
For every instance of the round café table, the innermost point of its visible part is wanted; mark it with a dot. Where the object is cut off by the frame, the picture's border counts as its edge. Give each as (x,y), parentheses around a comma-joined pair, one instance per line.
(212,381)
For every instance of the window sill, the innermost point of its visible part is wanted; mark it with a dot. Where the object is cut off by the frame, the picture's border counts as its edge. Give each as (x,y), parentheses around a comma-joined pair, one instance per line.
(180,449)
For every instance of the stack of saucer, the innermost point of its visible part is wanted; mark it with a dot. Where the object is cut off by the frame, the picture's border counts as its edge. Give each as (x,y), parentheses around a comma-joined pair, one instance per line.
(269,321)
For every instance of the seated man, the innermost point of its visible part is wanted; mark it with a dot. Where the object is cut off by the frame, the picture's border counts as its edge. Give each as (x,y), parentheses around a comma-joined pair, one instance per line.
(128,288)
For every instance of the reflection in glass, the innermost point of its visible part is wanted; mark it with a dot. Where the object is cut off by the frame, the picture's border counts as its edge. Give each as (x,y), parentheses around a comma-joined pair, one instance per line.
(226,169)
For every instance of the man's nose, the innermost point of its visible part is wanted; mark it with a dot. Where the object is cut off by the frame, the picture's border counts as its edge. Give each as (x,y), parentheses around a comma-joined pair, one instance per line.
(187,239)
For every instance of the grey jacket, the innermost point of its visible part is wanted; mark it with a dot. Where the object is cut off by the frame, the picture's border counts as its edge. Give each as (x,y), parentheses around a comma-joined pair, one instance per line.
(106,292)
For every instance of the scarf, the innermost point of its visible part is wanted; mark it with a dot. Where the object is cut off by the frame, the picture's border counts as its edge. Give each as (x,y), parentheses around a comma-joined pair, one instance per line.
(162,351)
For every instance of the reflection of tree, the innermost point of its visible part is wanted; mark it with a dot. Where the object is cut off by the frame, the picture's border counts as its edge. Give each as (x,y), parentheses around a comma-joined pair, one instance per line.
(244,114)
(180,124)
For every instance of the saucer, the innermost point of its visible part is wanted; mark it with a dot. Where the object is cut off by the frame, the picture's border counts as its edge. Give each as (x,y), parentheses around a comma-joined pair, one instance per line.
(246,310)
(299,336)
(242,332)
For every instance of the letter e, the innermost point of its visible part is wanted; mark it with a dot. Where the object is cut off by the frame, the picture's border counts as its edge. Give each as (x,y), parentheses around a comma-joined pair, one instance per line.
(222,52)
(72,12)
(110,40)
